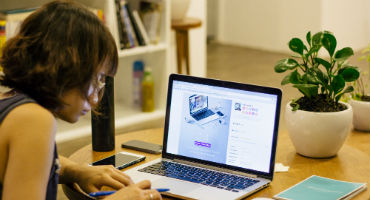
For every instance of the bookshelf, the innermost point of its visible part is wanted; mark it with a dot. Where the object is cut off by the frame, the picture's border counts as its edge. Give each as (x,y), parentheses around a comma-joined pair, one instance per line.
(154,55)
(157,56)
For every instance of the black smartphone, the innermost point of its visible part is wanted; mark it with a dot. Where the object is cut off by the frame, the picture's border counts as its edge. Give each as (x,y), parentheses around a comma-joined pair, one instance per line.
(120,160)
(143,146)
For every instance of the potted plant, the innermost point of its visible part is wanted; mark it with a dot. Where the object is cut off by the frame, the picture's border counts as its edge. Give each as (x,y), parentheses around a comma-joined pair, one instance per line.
(360,98)
(317,122)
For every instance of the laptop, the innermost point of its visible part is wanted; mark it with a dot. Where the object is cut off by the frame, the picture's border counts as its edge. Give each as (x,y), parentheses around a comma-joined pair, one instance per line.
(198,107)
(228,158)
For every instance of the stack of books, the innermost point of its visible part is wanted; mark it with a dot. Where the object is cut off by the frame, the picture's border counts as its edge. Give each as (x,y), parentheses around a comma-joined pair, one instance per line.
(138,27)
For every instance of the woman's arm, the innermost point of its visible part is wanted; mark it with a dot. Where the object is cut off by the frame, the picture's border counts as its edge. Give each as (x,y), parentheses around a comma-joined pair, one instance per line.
(29,131)
(92,178)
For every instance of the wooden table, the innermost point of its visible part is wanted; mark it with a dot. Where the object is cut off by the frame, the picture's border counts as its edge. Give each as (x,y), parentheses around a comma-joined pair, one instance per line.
(352,163)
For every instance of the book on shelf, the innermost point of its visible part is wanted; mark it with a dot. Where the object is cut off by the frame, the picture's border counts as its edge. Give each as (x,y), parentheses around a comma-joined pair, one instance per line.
(135,25)
(98,12)
(128,27)
(321,188)
(150,13)
(10,21)
(2,37)
(14,18)
(141,27)
(122,32)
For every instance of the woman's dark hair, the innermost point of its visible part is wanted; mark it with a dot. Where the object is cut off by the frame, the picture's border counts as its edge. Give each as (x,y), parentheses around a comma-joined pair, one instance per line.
(59,47)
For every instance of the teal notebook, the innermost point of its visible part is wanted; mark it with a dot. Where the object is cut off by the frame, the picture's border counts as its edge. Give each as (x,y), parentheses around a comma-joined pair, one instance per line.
(320,188)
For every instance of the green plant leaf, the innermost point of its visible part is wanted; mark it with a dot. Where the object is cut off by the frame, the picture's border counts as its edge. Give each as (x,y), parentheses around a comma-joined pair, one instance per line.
(324,63)
(295,77)
(329,42)
(314,49)
(285,64)
(308,90)
(349,73)
(349,89)
(321,76)
(308,38)
(297,45)
(294,104)
(310,77)
(295,107)
(316,41)
(285,80)
(343,54)
(338,84)
(323,89)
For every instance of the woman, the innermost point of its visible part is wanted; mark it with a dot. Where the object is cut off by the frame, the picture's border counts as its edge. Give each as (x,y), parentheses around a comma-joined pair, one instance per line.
(55,68)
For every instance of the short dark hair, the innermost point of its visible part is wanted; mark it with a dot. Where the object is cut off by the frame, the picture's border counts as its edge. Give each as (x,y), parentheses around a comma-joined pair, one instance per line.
(59,47)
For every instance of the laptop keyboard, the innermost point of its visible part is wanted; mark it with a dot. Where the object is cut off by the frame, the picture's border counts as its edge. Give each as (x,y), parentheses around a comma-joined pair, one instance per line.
(199,175)
(203,115)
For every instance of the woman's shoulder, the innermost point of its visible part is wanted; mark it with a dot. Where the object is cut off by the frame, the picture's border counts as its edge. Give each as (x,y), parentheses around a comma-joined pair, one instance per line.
(21,105)
(31,112)
(30,117)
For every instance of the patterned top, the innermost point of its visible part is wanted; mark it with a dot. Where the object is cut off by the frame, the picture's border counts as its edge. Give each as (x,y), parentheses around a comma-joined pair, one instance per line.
(7,105)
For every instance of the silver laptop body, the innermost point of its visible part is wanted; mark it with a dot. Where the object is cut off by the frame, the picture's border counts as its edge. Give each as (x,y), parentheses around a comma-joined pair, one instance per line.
(228,158)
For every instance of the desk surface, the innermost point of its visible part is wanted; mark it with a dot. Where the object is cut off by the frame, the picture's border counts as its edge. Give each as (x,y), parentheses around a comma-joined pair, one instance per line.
(352,162)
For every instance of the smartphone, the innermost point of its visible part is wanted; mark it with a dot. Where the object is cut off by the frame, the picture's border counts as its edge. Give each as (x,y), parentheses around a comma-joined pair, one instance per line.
(143,146)
(120,160)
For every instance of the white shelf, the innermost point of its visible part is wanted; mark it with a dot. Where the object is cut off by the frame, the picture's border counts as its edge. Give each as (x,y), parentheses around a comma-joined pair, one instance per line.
(142,50)
(156,56)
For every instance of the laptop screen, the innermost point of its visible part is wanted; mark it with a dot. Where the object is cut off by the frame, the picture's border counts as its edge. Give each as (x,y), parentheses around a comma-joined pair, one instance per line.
(239,133)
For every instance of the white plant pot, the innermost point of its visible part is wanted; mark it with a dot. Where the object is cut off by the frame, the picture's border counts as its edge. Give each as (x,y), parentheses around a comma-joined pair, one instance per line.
(318,134)
(361,114)
(179,8)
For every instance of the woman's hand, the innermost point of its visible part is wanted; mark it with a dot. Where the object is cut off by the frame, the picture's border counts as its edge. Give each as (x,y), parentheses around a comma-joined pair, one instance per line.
(93,178)
(139,191)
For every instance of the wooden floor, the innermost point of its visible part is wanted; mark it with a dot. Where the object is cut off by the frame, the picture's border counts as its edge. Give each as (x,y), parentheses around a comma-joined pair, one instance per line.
(235,64)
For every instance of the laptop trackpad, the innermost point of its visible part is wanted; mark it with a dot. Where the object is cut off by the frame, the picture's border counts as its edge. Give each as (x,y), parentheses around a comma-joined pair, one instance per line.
(176,186)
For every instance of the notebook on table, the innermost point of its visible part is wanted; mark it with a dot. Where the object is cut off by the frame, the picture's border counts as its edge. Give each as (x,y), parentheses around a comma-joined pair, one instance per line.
(227,158)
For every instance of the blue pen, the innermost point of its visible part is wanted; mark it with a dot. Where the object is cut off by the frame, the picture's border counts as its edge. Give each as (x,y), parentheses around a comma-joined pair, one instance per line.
(104,193)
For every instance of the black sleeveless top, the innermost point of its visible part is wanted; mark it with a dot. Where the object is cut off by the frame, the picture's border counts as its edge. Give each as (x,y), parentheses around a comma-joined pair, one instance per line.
(8,104)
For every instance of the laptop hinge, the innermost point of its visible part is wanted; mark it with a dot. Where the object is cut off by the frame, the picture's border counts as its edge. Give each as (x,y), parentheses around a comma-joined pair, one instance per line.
(215,168)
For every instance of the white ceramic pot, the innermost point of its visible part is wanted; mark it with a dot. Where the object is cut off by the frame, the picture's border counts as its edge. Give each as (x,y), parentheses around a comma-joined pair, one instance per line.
(179,8)
(361,114)
(318,134)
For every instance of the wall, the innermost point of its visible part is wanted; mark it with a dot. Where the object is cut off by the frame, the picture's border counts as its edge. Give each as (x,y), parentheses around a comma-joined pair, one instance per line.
(269,25)
(212,18)
(349,20)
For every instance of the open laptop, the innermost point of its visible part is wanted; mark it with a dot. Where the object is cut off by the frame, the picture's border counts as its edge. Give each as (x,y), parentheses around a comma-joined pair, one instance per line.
(228,158)
(198,107)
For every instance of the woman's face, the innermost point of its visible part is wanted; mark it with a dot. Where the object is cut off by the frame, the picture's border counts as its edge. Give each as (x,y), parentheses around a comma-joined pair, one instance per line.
(77,104)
